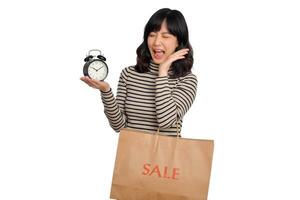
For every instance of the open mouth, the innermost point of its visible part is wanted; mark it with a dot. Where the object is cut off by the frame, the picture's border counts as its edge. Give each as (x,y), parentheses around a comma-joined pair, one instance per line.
(158,53)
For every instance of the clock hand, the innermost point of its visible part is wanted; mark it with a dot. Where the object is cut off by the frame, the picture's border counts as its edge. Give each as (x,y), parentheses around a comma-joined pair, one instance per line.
(99,68)
(94,68)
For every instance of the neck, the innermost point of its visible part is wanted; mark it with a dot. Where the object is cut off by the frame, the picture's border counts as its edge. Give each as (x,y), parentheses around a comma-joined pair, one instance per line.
(154,68)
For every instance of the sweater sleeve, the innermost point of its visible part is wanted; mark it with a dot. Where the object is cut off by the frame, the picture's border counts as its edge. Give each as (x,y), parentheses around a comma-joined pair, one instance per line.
(114,107)
(173,104)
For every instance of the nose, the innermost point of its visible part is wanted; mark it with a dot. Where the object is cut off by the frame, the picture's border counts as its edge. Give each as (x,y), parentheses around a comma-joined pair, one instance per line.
(157,40)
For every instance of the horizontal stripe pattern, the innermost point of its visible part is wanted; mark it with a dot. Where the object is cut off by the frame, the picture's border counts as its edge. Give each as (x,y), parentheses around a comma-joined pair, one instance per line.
(147,102)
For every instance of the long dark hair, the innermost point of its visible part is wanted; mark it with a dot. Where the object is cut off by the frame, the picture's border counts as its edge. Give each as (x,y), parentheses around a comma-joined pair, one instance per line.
(177,26)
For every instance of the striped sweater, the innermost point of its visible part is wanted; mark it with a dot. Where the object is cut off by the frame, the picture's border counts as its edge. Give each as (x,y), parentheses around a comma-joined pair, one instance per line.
(146,101)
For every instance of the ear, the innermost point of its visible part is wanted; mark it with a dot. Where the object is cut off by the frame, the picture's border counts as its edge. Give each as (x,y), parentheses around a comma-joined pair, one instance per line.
(177,44)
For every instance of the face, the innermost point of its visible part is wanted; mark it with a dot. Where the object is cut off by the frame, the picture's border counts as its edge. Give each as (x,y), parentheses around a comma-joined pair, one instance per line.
(97,70)
(161,44)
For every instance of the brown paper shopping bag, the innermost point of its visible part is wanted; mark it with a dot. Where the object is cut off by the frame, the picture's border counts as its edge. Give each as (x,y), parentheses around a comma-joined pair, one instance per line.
(155,167)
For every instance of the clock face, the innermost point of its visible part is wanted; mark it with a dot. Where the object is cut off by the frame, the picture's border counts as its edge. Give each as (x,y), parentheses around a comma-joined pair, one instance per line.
(97,70)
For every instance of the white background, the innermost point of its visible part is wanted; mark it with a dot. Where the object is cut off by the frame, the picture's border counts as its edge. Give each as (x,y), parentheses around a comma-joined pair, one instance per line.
(55,141)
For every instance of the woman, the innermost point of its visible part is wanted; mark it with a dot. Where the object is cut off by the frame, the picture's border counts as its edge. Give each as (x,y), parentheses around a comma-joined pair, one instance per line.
(160,88)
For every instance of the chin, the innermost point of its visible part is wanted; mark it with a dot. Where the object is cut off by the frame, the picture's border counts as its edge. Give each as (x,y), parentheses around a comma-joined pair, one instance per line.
(158,61)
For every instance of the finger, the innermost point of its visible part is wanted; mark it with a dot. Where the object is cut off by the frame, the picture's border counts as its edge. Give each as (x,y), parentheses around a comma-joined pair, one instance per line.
(87,81)
(180,53)
(93,83)
(89,84)
(185,51)
(96,84)
(84,78)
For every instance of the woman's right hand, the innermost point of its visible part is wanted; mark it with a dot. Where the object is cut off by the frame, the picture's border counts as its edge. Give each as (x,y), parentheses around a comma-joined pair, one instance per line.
(101,85)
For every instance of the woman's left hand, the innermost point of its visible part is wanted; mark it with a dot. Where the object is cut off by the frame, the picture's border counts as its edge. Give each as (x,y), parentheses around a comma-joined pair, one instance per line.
(165,66)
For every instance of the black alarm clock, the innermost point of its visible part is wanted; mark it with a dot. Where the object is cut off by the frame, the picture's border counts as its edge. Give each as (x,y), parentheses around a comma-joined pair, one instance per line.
(95,66)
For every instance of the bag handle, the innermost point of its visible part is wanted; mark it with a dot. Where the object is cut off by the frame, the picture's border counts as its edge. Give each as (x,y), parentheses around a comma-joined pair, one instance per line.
(176,129)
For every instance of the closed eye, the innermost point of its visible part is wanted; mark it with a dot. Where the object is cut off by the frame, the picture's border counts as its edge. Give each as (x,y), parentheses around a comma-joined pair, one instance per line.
(152,34)
(167,35)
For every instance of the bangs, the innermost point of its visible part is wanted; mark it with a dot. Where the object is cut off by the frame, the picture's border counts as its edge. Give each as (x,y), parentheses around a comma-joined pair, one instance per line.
(175,22)
(153,25)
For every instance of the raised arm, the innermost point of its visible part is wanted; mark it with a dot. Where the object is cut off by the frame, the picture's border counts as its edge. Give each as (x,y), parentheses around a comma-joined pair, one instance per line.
(172,105)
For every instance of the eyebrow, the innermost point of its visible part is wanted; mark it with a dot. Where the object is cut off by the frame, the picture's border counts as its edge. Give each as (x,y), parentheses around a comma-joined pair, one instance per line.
(163,33)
